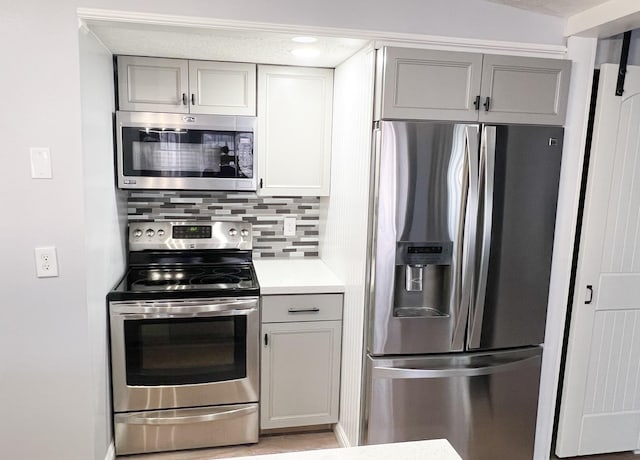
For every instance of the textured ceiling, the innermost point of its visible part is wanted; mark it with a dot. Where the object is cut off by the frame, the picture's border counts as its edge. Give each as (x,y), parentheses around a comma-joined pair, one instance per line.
(219,44)
(562,8)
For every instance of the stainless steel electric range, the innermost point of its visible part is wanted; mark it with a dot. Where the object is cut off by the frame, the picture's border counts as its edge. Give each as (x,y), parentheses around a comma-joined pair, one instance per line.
(184,327)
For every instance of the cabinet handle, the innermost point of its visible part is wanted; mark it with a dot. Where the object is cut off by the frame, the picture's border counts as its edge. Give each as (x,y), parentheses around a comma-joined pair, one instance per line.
(266,340)
(304,310)
(184,99)
(476,103)
(193,99)
(590,291)
(260,182)
(487,104)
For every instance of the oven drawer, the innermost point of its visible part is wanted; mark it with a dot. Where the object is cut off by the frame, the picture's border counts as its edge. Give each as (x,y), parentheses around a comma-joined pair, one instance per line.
(155,431)
(305,307)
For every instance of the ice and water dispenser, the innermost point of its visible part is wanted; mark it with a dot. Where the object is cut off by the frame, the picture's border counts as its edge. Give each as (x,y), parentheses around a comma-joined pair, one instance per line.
(422,279)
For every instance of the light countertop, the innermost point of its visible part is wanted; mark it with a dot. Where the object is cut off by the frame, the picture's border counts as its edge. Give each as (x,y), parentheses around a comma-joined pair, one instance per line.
(433,449)
(296,276)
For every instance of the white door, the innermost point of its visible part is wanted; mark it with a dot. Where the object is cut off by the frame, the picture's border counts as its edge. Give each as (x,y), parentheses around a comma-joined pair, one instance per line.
(600,406)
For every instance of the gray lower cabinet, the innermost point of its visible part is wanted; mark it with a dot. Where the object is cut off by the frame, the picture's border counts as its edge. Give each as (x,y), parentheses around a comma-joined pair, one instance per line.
(300,371)
(441,85)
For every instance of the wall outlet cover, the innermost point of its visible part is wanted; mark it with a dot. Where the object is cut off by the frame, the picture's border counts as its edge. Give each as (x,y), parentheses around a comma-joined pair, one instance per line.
(46,262)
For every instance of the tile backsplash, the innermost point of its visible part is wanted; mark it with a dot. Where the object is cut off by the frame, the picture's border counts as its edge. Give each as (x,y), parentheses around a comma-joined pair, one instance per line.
(266,214)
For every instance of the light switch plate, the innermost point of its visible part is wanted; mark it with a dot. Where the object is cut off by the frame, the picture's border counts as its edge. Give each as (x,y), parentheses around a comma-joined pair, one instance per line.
(40,163)
(289,226)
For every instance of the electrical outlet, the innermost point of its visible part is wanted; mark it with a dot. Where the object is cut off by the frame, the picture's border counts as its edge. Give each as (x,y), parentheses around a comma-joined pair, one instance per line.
(46,262)
(289,226)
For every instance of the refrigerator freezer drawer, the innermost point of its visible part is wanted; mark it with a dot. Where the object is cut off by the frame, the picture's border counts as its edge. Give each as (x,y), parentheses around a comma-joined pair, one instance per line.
(485,404)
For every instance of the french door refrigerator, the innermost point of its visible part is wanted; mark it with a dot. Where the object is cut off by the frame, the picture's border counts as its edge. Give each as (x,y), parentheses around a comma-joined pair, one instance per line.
(463,229)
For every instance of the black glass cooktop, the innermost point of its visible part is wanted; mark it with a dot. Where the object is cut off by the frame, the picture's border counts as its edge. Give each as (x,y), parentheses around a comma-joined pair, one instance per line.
(171,274)
(201,277)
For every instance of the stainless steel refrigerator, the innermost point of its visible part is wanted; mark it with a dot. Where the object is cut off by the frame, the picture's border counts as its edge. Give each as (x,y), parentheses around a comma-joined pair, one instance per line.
(460,264)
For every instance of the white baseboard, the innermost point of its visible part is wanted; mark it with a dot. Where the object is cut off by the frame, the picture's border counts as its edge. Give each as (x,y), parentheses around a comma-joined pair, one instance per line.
(111,452)
(341,436)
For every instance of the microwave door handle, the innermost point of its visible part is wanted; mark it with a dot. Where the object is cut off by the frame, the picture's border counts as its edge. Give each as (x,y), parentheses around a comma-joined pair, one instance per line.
(487,169)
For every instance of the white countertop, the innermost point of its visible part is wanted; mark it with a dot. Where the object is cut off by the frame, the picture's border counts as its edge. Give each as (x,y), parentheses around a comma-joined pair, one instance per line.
(296,276)
(433,449)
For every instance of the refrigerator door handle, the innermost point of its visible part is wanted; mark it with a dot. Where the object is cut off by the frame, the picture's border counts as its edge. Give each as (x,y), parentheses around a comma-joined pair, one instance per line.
(465,251)
(471,371)
(487,168)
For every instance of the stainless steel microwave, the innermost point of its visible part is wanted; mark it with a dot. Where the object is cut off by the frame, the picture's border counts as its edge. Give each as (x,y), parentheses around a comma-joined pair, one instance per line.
(168,151)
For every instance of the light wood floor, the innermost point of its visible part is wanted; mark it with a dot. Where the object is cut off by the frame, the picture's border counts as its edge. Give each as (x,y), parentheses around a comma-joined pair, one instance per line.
(269,444)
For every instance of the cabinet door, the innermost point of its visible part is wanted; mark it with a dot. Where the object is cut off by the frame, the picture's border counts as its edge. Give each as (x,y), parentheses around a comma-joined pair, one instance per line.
(222,88)
(153,84)
(524,90)
(300,373)
(429,85)
(294,130)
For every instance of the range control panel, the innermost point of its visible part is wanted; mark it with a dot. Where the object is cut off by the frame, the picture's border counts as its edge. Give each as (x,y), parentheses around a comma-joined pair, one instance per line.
(189,235)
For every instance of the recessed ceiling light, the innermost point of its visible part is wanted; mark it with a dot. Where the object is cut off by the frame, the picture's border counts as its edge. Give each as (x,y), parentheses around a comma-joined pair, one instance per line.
(305,52)
(304,39)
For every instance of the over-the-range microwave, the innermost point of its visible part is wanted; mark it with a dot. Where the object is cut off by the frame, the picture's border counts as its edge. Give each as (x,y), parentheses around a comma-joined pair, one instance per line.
(168,151)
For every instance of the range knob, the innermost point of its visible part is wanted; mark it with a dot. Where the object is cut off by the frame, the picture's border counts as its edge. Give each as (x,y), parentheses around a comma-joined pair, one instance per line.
(244,232)
(160,232)
(150,233)
(233,232)
(137,233)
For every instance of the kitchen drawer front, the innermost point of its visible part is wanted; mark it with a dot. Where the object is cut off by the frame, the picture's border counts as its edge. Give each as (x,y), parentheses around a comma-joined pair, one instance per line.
(306,307)
(157,431)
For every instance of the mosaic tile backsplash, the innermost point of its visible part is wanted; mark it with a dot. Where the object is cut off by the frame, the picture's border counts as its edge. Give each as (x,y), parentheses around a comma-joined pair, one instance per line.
(266,214)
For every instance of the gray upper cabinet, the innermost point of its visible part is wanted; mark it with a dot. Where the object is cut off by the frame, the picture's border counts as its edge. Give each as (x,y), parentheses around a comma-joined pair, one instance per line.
(524,90)
(183,86)
(442,85)
(223,88)
(153,84)
(427,84)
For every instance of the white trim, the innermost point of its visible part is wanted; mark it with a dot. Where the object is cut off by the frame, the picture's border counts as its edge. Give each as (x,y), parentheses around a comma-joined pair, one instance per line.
(381,37)
(341,436)
(83,28)
(582,51)
(111,452)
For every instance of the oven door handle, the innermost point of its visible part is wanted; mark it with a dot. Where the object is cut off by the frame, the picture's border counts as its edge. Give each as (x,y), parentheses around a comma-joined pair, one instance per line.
(186,313)
(220,414)
(175,309)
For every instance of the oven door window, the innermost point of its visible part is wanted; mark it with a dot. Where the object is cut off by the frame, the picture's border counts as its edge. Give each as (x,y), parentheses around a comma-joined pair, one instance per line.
(186,351)
(154,152)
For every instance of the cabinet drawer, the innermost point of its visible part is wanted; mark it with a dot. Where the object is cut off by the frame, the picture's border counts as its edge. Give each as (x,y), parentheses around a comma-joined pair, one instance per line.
(308,307)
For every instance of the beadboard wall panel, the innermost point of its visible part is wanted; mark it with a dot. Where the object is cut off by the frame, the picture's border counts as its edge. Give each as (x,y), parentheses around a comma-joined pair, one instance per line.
(344,223)
(266,214)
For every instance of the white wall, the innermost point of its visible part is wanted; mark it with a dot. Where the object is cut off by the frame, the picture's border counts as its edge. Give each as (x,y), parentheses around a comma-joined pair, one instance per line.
(46,384)
(105,217)
(609,49)
(343,229)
